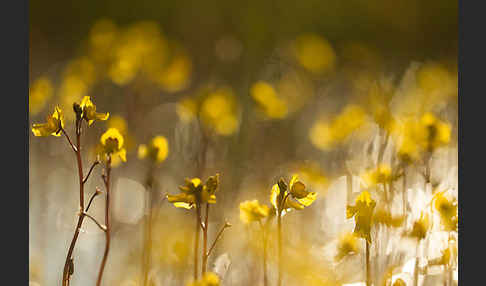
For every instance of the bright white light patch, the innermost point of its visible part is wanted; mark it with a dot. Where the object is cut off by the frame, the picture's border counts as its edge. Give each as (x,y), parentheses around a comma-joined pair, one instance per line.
(128,201)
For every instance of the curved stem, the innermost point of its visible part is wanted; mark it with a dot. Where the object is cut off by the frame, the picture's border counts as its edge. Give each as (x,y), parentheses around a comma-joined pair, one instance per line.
(218,236)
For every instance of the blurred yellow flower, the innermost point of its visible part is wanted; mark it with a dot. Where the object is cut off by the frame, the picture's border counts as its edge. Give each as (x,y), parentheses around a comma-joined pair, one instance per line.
(253,211)
(314,53)
(312,174)
(383,216)
(157,150)
(219,111)
(438,133)
(420,227)
(266,97)
(436,82)
(177,75)
(297,197)
(347,245)
(102,37)
(325,135)
(414,136)
(112,144)
(381,175)
(118,122)
(208,279)
(54,124)
(399,282)
(195,192)
(89,111)
(39,93)
(447,208)
(187,109)
(363,214)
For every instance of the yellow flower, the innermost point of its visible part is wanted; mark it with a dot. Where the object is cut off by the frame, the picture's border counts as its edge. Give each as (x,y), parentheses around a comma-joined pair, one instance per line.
(89,111)
(266,97)
(347,245)
(54,124)
(208,279)
(187,109)
(296,198)
(382,174)
(195,193)
(219,111)
(253,211)
(420,227)
(326,135)
(112,144)
(447,209)
(363,213)
(157,150)
(415,136)
(40,91)
(382,216)
(448,256)
(399,282)
(438,133)
(314,53)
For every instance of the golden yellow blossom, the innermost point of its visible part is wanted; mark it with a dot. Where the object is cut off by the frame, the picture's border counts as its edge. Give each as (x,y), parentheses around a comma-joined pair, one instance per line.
(347,245)
(447,209)
(177,75)
(208,279)
(420,227)
(253,211)
(266,97)
(363,214)
(382,216)
(157,150)
(54,124)
(195,193)
(295,195)
(314,53)
(112,144)
(437,132)
(219,111)
(382,174)
(326,135)
(187,109)
(399,282)
(89,111)
(423,135)
(40,91)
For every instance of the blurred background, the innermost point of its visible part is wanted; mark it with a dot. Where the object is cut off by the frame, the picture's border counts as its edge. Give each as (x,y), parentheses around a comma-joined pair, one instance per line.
(254,91)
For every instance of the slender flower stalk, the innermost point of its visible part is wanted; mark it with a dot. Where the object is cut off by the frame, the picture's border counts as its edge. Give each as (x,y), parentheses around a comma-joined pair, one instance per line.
(106,179)
(264,256)
(196,240)
(205,241)
(68,263)
(368,270)
(285,197)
